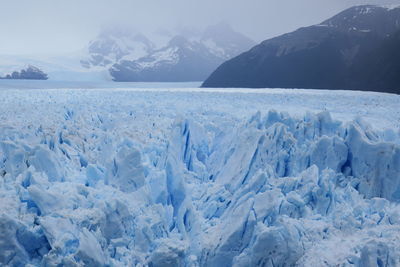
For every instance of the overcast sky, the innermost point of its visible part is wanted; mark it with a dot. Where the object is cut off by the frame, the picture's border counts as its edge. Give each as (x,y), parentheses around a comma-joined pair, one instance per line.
(60,26)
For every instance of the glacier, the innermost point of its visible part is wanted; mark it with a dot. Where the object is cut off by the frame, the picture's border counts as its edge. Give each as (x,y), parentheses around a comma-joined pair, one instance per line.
(199,177)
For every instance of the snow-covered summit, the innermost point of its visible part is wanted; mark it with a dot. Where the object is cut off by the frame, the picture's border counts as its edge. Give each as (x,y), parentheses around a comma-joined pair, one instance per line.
(111,46)
(191,56)
(366,18)
(180,60)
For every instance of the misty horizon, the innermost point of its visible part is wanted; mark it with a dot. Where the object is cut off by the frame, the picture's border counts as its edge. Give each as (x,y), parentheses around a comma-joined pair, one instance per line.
(47,27)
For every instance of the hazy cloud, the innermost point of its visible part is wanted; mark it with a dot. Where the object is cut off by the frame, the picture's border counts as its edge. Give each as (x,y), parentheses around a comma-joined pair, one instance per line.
(58,26)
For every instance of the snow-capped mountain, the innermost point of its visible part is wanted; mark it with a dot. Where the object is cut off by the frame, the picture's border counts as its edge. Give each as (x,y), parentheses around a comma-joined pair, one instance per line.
(184,58)
(114,45)
(180,60)
(381,21)
(343,52)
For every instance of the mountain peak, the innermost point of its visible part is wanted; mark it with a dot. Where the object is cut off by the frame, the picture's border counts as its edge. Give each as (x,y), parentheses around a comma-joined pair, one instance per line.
(355,50)
(115,44)
(189,56)
(363,18)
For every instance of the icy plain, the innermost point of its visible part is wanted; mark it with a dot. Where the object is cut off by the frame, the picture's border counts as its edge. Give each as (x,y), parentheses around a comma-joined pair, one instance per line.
(199,177)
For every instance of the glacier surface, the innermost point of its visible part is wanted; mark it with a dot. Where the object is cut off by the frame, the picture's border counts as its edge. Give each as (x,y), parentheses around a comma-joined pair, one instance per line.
(199,177)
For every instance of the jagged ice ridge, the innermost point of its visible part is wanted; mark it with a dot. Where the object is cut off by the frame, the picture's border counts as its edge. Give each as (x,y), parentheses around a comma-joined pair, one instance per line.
(124,183)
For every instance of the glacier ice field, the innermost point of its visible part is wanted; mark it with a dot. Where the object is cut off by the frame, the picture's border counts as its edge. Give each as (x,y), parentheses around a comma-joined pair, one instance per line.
(199,177)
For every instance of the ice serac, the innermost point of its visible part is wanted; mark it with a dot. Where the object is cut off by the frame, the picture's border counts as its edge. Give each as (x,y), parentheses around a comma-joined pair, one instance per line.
(273,190)
(376,164)
(127,171)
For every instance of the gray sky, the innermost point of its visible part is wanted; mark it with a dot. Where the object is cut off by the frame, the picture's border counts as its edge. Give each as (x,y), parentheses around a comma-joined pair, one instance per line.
(60,26)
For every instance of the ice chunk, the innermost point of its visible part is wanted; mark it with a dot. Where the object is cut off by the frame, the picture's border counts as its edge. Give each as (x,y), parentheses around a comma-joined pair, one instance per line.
(12,253)
(127,170)
(376,164)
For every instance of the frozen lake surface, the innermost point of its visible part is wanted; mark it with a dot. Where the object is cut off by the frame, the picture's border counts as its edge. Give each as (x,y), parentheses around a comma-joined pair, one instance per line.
(198,177)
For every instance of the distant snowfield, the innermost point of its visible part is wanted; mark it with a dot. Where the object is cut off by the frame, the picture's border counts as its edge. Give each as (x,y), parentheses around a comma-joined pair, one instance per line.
(199,177)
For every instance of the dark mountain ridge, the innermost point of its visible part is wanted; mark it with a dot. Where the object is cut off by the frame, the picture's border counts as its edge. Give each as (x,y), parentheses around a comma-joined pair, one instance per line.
(355,49)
